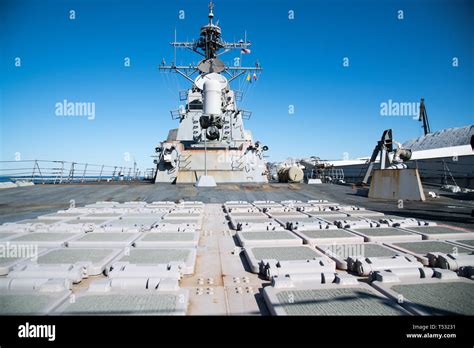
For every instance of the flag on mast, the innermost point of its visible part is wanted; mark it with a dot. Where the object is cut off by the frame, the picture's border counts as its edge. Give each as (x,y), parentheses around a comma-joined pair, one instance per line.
(248,78)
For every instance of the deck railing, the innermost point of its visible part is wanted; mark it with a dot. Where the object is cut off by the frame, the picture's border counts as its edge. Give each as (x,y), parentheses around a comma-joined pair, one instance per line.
(56,172)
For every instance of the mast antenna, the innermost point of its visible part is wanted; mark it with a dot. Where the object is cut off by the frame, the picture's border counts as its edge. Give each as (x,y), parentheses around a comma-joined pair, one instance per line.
(211,15)
(210,46)
(175,63)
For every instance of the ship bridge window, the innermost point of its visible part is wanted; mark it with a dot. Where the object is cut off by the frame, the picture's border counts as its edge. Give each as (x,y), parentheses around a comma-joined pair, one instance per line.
(195,105)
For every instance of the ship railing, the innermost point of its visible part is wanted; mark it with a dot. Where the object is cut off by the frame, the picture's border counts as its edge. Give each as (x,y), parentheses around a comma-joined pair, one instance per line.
(440,172)
(149,174)
(58,172)
(448,172)
(327,175)
(335,173)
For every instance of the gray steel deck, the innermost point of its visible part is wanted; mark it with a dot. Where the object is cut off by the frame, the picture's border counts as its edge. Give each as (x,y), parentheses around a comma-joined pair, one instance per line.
(29,202)
(216,273)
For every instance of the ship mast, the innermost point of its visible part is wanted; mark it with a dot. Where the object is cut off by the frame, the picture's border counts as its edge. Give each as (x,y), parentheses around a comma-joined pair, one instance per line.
(210,46)
(211,125)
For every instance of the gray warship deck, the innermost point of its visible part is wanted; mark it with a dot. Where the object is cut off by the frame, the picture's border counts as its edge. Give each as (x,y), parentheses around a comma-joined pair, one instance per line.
(30,202)
(214,277)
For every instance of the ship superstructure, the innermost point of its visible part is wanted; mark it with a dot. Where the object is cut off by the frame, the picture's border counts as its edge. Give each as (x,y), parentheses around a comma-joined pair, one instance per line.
(211,139)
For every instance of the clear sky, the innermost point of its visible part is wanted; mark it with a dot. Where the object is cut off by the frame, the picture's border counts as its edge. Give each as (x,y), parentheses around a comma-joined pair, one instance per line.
(336,108)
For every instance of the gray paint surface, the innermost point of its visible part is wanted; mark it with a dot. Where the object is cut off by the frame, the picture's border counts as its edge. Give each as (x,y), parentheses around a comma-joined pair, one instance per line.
(345,301)
(141,256)
(441,298)
(435,230)
(361,250)
(376,231)
(74,255)
(425,247)
(8,260)
(164,236)
(25,303)
(105,237)
(284,253)
(30,202)
(268,235)
(339,233)
(160,304)
(42,237)
(469,242)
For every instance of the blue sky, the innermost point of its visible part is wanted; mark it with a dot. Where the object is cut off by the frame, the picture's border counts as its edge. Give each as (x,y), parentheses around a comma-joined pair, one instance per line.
(337,109)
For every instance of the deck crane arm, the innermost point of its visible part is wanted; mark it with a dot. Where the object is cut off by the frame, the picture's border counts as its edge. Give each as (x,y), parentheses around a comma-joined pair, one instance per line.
(384,147)
(423,117)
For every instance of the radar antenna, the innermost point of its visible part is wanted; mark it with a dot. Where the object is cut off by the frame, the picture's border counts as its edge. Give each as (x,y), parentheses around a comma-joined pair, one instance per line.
(210,46)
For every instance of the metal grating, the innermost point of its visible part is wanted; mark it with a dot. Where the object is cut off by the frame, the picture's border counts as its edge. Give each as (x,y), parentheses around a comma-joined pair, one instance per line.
(60,256)
(28,303)
(383,231)
(345,301)
(38,221)
(60,216)
(338,233)
(43,237)
(5,235)
(94,216)
(450,298)
(171,236)
(285,253)
(106,237)
(426,247)
(143,304)
(268,235)
(6,261)
(85,221)
(361,250)
(141,256)
(469,242)
(436,230)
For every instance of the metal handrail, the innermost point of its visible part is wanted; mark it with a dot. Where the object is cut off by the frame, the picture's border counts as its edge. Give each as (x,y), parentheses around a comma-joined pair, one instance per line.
(45,171)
